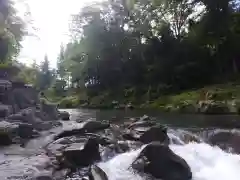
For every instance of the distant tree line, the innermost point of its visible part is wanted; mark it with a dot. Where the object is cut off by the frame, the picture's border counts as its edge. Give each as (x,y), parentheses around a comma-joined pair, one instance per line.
(157,46)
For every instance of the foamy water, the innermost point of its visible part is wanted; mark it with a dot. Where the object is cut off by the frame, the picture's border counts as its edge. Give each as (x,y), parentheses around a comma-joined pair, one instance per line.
(118,167)
(206,162)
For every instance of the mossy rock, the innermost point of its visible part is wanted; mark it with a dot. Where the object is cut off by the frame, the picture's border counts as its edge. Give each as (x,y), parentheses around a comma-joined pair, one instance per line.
(214,107)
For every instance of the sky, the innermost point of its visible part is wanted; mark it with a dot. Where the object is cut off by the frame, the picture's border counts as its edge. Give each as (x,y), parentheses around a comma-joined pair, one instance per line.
(51,19)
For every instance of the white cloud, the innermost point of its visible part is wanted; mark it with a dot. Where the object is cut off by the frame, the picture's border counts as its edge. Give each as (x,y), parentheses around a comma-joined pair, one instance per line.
(51,18)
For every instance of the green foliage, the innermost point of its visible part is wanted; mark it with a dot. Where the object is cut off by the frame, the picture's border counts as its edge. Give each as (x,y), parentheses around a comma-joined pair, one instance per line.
(59,87)
(27,75)
(69,102)
(145,49)
(45,76)
(11,31)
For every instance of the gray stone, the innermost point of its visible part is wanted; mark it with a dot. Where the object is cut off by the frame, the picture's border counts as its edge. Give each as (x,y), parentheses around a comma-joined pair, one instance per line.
(5,110)
(161,162)
(65,116)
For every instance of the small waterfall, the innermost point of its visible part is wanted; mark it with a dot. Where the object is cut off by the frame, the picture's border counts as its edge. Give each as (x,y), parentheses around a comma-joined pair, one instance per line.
(206,162)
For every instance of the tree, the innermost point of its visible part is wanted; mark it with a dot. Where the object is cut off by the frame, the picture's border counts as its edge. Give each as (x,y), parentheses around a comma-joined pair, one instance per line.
(60,63)
(11,31)
(152,46)
(45,76)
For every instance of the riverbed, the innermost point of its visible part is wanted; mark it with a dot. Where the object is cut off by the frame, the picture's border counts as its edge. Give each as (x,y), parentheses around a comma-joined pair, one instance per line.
(207,162)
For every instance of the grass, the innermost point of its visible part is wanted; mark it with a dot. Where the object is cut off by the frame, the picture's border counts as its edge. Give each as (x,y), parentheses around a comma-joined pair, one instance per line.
(186,99)
(221,92)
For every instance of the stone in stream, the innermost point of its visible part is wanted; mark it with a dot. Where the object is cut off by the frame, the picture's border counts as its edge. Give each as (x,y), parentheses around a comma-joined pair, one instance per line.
(5,110)
(77,157)
(64,115)
(158,133)
(161,162)
(7,131)
(88,127)
(5,138)
(26,131)
(145,118)
(226,140)
(141,124)
(96,173)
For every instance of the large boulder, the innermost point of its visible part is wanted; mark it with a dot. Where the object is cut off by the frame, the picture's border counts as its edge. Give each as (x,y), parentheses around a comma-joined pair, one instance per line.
(76,156)
(155,134)
(88,127)
(161,162)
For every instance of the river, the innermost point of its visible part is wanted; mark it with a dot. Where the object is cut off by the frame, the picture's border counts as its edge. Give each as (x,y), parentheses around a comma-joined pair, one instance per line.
(207,162)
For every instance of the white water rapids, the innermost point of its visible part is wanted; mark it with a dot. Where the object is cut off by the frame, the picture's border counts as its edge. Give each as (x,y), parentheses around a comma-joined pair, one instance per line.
(206,162)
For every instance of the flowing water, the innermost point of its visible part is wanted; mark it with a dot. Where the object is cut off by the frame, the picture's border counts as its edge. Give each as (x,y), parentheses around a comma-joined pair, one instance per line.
(207,162)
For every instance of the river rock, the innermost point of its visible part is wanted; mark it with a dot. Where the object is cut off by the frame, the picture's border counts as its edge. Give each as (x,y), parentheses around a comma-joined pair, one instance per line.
(113,149)
(26,131)
(7,131)
(144,118)
(10,131)
(50,110)
(25,115)
(77,157)
(5,138)
(88,127)
(226,140)
(64,115)
(141,124)
(5,110)
(155,134)
(213,107)
(161,162)
(96,173)
(91,126)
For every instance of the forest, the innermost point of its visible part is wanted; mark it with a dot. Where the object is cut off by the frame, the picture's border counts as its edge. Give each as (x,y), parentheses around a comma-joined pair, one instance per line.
(143,52)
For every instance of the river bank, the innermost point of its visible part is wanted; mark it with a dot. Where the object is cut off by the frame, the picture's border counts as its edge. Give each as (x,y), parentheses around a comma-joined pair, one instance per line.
(215,99)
